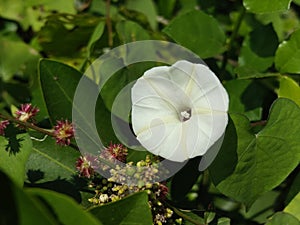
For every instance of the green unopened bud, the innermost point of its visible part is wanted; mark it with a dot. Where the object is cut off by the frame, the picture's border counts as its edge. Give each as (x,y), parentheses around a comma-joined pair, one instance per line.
(130,171)
(169,213)
(140,184)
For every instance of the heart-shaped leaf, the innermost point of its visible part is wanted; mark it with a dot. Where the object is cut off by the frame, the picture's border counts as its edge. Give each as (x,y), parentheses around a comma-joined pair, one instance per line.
(250,164)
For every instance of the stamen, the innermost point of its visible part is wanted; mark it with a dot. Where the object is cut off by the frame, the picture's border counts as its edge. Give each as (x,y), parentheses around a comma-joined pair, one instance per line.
(185,115)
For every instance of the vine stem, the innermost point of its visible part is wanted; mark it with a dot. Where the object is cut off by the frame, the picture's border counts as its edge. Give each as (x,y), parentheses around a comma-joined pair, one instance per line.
(232,38)
(108,24)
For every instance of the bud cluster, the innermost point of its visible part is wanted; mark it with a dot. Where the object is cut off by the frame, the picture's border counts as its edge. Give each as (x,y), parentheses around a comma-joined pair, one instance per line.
(125,180)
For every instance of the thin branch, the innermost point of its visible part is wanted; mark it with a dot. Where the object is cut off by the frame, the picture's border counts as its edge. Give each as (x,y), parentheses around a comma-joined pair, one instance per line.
(259,123)
(33,127)
(108,24)
(183,215)
(27,125)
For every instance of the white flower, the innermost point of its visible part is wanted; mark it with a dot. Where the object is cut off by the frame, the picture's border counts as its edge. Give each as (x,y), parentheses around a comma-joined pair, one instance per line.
(179,111)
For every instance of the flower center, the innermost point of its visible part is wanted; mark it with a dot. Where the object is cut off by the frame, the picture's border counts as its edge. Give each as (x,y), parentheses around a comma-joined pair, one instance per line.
(185,115)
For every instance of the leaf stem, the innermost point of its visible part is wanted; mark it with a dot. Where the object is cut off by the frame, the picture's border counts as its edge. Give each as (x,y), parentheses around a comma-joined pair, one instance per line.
(184,216)
(232,38)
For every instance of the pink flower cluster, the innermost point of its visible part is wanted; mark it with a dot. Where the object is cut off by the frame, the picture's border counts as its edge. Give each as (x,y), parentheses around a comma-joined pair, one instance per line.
(87,164)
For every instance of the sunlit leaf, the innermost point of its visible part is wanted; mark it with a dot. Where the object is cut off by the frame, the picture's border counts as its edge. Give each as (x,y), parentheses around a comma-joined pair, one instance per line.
(288,55)
(96,35)
(12,161)
(294,207)
(14,58)
(283,218)
(288,88)
(266,6)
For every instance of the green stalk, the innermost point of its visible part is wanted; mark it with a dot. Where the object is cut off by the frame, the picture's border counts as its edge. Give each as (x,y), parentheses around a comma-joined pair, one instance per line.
(232,39)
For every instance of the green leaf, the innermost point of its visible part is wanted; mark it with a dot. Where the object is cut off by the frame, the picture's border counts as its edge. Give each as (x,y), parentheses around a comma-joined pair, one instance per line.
(14,58)
(294,207)
(133,209)
(96,35)
(283,218)
(190,218)
(49,161)
(266,6)
(288,88)
(12,161)
(129,31)
(65,35)
(65,209)
(262,208)
(242,100)
(254,52)
(53,167)
(288,55)
(166,7)
(19,208)
(198,32)
(284,23)
(250,164)
(223,221)
(59,83)
(29,13)
(147,7)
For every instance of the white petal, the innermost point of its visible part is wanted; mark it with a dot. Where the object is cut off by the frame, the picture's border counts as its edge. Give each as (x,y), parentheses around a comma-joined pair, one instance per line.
(162,94)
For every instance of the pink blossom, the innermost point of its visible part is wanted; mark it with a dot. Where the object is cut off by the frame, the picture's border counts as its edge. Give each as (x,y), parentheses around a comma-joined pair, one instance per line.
(27,112)
(117,151)
(86,165)
(3,125)
(63,131)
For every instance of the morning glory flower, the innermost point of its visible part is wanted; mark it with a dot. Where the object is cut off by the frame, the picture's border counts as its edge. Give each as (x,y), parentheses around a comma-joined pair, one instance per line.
(179,111)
